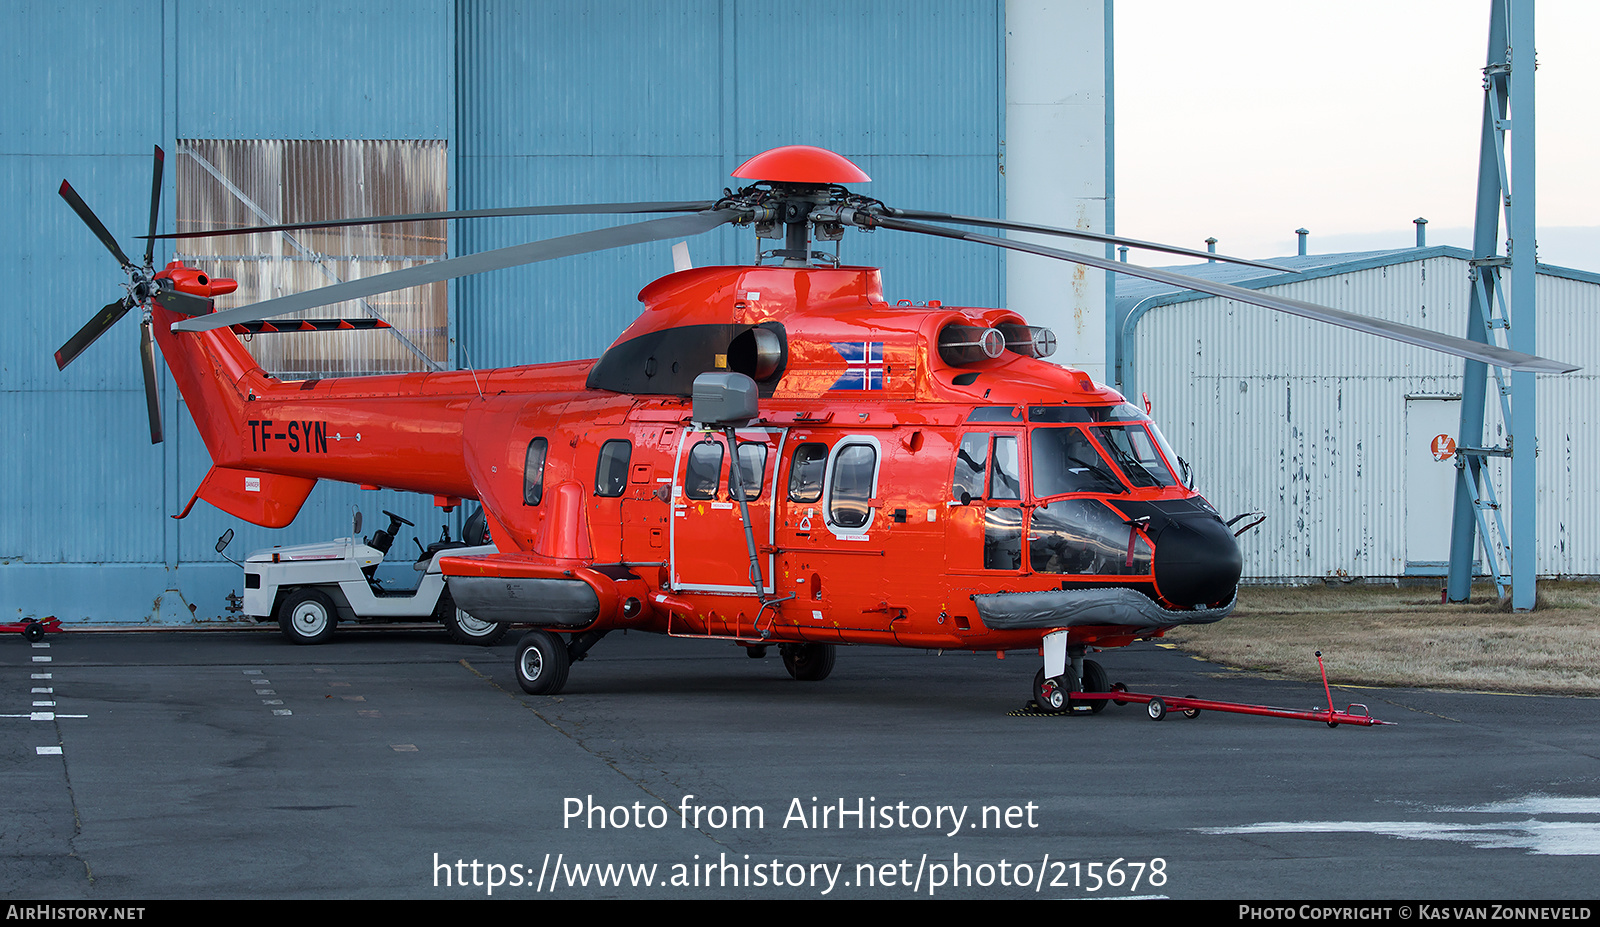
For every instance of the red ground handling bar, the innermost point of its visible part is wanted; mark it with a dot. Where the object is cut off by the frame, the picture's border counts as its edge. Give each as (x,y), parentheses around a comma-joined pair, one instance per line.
(1159,705)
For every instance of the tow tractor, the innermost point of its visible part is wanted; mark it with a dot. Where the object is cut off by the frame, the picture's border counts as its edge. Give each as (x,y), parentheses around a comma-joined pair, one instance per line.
(310,588)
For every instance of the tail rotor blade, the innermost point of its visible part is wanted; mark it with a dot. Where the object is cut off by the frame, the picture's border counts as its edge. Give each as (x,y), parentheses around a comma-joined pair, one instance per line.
(152,398)
(155,205)
(93,222)
(91,330)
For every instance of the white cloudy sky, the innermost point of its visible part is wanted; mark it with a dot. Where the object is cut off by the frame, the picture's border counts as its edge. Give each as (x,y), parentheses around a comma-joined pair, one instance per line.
(1247,119)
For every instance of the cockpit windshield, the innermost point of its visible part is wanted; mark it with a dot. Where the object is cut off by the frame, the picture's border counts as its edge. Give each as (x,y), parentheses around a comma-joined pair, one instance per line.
(1066,460)
(1134,451)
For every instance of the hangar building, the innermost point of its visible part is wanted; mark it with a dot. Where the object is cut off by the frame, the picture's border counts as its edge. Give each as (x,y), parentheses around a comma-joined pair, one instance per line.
(1330,432)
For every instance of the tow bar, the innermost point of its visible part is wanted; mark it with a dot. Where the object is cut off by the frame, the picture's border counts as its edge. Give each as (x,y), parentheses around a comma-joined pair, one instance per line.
(32,628)
(1158,705)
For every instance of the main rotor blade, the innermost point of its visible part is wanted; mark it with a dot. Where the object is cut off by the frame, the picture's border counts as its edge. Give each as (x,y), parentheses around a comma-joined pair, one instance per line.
(1080,233)
(91,330)
(1437,341)
(152,398)
(155,205)
(580,209)
(93,222)
(530,253)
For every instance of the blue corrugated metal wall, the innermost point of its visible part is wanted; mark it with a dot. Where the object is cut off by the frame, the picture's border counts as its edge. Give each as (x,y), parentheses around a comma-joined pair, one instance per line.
(538,101)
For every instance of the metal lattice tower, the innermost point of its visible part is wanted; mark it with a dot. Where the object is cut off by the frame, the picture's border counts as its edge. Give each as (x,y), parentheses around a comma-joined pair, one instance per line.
(1493,319)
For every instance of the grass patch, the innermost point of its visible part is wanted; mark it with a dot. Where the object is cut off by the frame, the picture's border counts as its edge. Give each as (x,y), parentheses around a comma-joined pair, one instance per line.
(1402,636)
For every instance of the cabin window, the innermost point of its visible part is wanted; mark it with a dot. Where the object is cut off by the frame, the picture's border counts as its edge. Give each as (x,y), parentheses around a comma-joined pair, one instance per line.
(533,471)
(752,465)
(704,470)
(855,468)
(805,472)
(611,474)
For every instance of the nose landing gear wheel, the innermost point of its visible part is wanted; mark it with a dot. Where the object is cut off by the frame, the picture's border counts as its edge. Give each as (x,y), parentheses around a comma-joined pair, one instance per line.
(542,663)
(1052,695)
(1094,680)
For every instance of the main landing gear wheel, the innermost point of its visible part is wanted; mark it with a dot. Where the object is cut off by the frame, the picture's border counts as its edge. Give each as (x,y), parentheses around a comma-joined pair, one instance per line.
(542,663)
(807,662)
(1051,695)
(1094,680)
(307,617)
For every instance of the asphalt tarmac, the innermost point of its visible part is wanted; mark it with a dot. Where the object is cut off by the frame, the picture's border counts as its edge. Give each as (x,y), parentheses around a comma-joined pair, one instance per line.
(397,764)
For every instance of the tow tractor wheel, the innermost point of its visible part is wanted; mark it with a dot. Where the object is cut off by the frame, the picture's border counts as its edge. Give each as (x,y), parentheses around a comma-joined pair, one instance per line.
(1094,680)
(542,663)
(307,617)
(33,631)
(465,629)
(807,662)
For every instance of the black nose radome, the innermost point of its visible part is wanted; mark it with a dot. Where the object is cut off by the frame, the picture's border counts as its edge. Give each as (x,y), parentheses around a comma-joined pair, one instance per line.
(1197,561)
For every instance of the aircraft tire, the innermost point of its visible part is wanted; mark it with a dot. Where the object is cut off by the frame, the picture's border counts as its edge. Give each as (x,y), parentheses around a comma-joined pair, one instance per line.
(1094,680)
(307,617)
(808,662)
(542,663)
(1049,694)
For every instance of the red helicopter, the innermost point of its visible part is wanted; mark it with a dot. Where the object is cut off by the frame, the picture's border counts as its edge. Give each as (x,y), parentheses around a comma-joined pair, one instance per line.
(772,454)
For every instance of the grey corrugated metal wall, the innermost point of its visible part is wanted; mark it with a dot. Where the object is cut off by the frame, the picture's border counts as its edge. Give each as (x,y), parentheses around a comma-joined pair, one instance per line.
(1309,422)
(538,102)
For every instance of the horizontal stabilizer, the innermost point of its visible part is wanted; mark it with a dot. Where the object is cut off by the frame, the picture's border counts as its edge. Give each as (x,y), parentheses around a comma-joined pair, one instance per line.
(270,500)
(308,325)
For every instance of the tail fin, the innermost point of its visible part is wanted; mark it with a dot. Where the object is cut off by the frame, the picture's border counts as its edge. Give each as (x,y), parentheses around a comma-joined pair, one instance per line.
(217,377)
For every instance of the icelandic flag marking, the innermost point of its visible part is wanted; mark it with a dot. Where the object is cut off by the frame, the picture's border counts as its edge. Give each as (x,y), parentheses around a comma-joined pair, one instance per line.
(864,366)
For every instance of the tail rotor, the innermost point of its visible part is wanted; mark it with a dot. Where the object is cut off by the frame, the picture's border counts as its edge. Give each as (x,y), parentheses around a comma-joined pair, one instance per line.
(144,288)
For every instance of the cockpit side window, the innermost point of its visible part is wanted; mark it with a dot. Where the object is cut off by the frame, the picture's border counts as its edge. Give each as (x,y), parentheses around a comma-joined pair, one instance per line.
(1066,461)
(972,462)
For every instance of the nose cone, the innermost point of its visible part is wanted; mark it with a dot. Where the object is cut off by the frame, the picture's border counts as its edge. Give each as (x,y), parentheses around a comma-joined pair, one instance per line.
(1197,562)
